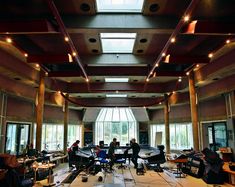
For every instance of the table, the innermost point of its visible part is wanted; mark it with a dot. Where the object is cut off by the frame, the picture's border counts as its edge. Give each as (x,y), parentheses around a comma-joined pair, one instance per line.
(44,166)
(179,162)
(231,174)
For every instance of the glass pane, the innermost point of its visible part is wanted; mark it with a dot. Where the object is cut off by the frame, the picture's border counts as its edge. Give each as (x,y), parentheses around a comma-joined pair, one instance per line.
(119,5)
(220,135)
(17,138)
(115,124)
(117,45)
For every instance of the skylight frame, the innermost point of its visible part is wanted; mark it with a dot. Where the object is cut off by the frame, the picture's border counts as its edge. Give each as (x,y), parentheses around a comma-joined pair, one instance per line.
(117,42)
(134,6)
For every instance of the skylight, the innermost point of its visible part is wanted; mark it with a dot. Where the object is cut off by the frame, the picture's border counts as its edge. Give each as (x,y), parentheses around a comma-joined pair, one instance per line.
(116,79)
(119,5)
(116,95)
(117,42)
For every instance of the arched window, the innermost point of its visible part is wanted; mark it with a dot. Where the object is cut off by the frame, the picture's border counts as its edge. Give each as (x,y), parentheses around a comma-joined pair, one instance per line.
(117,123)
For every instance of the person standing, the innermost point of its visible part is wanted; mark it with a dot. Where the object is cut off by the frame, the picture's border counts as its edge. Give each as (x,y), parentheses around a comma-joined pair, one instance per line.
(135,152)
(111,154)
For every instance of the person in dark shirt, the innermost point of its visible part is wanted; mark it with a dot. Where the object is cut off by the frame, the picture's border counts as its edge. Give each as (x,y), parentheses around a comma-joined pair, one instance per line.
(135,152)
(111,154)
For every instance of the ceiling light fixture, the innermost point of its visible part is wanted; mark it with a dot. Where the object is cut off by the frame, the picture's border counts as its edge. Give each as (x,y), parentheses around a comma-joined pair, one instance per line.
(163,54)
(187,73)
(180,79)
(197,65)
(26,55)
(186,18)
(210,55)
(156,65)
(227,41)
(8,40)
(173,40)
(66,39)
(167,59)
(37,65)
(74,54)
(70,57)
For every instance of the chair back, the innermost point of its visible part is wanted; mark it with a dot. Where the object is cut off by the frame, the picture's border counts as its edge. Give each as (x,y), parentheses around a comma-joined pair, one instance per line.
(102,154)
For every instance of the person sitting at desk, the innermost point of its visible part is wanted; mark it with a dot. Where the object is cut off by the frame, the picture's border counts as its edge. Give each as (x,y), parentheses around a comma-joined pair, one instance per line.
(111,154)
(135,149)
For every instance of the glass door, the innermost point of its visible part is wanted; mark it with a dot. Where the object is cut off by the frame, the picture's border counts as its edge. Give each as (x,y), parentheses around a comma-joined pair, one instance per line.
(17,138)
(217,135)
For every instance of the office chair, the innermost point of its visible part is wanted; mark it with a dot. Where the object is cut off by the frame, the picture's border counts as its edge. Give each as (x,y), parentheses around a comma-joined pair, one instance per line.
(102,159)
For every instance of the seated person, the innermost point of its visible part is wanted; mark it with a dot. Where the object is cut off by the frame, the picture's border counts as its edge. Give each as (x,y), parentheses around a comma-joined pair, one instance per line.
(135,149)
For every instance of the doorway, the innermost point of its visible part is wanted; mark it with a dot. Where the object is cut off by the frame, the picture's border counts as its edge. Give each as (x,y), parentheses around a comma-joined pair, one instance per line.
(17,138)
(217,135)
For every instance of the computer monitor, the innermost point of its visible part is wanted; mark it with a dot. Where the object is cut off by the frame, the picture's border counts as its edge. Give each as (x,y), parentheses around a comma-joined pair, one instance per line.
(32,152)
(118,144)
(101,144)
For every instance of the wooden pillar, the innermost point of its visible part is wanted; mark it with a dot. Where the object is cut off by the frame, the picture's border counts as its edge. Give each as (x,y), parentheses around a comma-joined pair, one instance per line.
(66,116)
(167,125)
(83,133)
(3,109)
(194,111)
(39,110)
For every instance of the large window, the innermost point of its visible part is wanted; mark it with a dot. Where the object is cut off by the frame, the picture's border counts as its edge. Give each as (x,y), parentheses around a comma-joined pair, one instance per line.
(52,136)
(17,137)
(117,123)
(180,135)
(74,133)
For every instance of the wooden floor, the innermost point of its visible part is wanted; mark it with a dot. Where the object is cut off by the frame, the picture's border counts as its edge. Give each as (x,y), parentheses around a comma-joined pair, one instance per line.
(128,178)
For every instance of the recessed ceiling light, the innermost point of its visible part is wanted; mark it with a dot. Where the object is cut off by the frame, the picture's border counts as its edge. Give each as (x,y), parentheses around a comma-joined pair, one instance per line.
(210,55)
(173,40)
(66,39)
(186,18)
(116,79)
(9,40)
(116,95)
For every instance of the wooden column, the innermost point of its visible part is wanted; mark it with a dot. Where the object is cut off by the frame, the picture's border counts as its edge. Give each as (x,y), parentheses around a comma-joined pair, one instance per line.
(39,110)
(83,133)
(66,116)
(3,125)
(167,125)
(194,111)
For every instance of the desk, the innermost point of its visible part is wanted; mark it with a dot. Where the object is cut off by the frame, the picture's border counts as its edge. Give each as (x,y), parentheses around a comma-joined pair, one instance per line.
(179,163)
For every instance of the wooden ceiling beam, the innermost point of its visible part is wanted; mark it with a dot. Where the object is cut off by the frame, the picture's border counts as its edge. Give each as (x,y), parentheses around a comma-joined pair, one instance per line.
(186,59)
(27,27)
(210,28)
